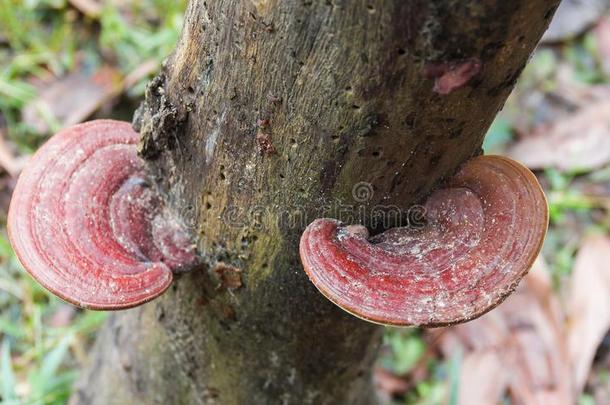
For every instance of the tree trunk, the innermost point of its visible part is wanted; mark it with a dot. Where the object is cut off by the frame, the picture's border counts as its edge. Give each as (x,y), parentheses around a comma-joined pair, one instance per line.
(265,117)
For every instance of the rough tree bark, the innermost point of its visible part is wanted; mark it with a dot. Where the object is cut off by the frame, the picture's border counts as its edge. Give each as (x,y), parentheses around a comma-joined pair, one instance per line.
(343,91)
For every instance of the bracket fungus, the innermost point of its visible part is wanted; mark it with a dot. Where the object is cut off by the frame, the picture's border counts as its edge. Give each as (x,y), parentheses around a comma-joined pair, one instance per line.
(86,223)
(482,234)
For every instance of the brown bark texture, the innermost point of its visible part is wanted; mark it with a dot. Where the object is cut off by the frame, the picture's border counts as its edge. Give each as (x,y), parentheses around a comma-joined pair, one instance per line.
(267,115)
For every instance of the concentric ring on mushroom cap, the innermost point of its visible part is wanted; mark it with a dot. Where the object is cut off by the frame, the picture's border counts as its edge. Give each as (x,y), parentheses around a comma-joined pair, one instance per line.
(483,233)
(67,236)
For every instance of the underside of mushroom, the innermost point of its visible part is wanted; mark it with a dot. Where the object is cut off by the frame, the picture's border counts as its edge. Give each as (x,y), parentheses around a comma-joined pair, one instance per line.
(482,234)
(88,225)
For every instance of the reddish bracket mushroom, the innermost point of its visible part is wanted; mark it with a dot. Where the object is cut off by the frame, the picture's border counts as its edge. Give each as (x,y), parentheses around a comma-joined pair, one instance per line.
(483,233)
(86,224)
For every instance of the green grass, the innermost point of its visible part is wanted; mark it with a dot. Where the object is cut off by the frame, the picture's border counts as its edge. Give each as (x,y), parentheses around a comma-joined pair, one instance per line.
(37,359)
(50,38)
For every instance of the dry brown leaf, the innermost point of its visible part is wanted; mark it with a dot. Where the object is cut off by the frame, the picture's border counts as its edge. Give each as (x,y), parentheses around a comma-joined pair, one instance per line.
(72,98)
(588,305)
(573,93)
(602,39)
(90,8)
(573,17)
(579,142)
(482,378)
(389,383)
(144,69)
(519,347)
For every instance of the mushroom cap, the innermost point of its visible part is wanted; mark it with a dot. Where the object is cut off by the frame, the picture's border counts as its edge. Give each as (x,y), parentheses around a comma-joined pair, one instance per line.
(85,222)
(483,233)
